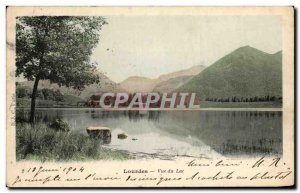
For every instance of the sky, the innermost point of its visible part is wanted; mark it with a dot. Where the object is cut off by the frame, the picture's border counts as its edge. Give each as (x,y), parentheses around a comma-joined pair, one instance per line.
(153,45)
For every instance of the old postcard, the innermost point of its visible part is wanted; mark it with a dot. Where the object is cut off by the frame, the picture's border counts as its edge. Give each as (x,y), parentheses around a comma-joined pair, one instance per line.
(150,97)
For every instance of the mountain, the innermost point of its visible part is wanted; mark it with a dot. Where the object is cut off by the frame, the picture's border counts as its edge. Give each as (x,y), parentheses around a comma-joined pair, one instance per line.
(164,83)
(245,72)
(131,84)
(137,84)
(105,85)
(171,84)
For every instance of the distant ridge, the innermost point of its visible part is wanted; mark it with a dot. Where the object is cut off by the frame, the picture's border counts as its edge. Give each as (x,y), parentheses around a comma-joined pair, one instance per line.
(160,84)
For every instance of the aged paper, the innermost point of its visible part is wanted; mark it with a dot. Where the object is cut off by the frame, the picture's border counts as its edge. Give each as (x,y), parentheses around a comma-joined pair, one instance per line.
(150,97)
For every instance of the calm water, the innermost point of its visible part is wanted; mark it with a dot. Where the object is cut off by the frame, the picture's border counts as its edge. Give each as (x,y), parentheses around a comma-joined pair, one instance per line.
(194,133)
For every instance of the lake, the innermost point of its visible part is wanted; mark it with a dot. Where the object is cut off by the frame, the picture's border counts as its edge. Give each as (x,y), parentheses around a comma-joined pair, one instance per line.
(212,133)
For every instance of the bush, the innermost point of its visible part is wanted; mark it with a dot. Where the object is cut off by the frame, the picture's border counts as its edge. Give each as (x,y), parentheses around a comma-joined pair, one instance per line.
(60,125)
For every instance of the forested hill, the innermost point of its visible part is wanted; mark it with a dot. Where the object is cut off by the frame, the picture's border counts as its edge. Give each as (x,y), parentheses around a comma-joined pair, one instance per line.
(245,72)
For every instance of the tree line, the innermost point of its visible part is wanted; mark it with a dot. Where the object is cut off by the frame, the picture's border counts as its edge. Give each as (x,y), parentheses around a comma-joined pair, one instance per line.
(44,94)
(234,99)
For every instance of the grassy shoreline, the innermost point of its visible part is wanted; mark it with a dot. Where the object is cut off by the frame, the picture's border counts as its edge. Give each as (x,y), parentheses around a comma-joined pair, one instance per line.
(208,104)
(41,143)
(25,103)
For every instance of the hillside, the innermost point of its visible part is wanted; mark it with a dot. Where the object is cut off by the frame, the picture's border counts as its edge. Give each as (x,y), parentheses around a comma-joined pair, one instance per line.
(164,83)
(171,84)
(245,72)
(137,84)
(105,85)
(194,70)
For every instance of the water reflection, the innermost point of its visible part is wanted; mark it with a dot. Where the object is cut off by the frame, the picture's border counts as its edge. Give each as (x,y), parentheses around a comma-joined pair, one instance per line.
(225,133)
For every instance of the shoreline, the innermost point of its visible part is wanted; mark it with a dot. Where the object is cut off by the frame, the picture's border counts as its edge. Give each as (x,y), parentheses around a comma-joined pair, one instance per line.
(156,109)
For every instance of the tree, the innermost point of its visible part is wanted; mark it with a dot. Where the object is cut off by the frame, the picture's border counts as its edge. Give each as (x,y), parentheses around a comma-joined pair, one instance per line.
(57,49)
(48,94)
(58,97)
